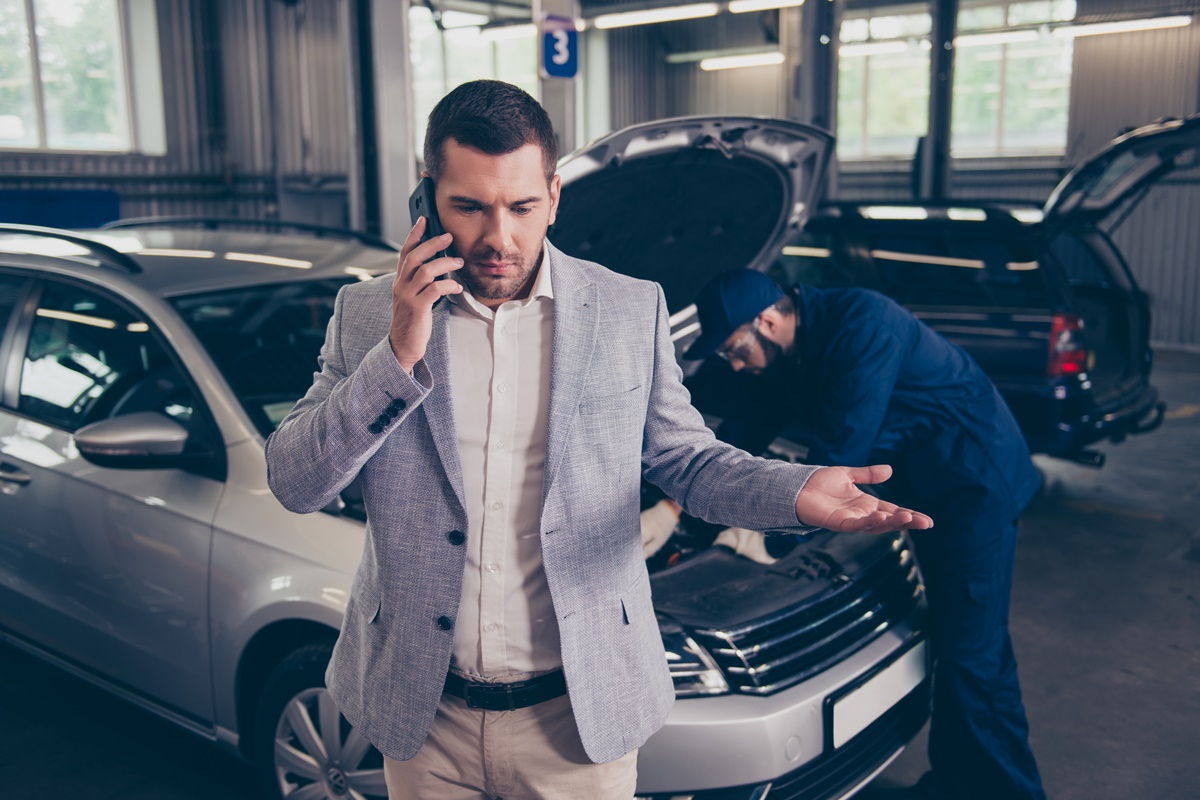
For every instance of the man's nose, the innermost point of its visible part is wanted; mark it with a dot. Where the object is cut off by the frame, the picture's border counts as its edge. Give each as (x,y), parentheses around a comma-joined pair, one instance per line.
(498,233)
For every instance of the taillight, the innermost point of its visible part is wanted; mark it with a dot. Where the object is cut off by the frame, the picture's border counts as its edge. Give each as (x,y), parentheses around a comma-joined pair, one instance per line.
(1068,356)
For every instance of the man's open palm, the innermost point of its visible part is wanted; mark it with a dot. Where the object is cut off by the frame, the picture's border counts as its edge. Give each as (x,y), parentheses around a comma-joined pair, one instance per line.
(831,499)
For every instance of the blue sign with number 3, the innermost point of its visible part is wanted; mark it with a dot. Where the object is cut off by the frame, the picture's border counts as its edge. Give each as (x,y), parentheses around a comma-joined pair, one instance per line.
(560,47)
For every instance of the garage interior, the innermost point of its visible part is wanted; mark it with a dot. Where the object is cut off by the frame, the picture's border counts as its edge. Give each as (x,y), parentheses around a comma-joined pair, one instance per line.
(313,111)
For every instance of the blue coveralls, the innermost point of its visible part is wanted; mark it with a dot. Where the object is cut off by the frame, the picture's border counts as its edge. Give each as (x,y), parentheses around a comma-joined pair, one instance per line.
(871,384)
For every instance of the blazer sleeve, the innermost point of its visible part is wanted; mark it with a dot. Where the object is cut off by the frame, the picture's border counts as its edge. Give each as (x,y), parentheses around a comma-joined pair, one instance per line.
(323,442)
(711,480)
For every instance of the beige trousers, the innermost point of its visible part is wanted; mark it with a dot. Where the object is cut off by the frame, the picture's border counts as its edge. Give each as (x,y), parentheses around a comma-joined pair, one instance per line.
(530,753)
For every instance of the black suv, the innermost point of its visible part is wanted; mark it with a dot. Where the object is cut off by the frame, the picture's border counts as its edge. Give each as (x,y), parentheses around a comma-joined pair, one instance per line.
(1040,297)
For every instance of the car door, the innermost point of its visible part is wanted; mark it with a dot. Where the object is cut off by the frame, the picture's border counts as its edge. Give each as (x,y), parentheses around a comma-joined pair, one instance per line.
(110,565)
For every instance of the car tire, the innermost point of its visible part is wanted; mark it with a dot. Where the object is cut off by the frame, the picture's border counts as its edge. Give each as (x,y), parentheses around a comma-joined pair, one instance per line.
(300,741)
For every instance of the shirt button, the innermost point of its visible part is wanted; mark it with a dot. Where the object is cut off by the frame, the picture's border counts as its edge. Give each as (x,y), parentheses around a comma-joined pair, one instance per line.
(498,445)
(445,623)
(491,626)
(496,506)
(492,567)
(501,388)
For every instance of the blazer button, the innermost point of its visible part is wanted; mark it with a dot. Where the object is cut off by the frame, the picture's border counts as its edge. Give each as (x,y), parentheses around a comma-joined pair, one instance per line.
(375,428)
(445,623)
(456,537)
(382,421)
(398,404)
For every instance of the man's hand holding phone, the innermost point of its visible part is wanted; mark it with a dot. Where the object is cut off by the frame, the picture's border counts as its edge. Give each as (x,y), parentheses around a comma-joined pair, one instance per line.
(415,291)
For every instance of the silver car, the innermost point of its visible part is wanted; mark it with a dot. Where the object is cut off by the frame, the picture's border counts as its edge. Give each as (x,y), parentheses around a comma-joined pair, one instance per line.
(141,369)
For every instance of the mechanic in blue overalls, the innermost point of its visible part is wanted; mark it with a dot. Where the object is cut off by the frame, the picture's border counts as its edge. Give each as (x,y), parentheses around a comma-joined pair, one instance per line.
(863,381)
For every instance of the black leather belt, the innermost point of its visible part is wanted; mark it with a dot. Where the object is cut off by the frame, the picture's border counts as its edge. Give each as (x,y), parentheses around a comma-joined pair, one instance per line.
(507,696)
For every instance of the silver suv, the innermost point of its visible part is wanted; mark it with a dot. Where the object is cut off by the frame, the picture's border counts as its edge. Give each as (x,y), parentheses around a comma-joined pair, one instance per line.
(141,369)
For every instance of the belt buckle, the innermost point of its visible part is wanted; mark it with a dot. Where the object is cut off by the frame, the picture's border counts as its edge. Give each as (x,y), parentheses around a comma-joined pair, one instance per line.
(483,691)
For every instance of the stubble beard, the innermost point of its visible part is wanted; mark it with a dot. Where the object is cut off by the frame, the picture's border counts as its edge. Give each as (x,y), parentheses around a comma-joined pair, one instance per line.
(488,288)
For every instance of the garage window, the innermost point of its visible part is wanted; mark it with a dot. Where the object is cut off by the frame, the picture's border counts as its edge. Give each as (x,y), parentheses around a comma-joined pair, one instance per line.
(1012,80)
(80,75)
(461,47)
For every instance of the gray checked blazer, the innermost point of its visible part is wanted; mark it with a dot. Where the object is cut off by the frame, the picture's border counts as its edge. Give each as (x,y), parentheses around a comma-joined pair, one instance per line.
(618,410)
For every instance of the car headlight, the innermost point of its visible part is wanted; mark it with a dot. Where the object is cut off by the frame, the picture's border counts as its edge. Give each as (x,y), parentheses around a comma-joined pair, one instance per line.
(692,668)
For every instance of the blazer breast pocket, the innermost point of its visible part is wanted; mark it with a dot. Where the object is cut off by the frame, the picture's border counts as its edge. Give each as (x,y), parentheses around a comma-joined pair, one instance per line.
(610,403)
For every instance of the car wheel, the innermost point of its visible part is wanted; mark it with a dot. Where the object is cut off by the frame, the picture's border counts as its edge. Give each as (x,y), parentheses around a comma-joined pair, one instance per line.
(304,748)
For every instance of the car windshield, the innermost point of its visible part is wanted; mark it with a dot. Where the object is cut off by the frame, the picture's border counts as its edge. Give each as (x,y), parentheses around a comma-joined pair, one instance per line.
(265,340)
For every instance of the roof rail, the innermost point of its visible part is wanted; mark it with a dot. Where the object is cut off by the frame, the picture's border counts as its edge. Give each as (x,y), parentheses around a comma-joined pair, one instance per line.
(107,255)
(213,223)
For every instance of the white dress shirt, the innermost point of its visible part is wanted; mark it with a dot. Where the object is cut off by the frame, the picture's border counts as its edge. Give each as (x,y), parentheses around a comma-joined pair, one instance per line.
(500,392)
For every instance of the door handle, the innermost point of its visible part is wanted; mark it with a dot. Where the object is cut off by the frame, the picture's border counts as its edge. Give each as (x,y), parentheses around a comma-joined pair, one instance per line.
(13,474)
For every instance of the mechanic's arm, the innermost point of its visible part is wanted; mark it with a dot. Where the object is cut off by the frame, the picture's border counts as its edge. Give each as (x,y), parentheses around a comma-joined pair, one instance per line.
(323,442)
(721,484)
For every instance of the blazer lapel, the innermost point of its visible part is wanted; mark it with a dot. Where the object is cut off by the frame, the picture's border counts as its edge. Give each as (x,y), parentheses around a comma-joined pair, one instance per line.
(573,339)
(437,406)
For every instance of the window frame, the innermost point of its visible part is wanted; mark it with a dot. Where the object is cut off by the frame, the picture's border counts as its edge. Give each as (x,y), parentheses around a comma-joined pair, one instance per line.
(146,125)
(16,344)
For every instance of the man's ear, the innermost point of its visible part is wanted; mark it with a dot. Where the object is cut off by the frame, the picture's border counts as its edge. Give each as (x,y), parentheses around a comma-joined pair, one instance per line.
(555,190)
(770,322)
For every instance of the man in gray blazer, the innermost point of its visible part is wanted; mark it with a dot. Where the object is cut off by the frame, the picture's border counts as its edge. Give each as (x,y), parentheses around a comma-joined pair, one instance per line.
(500,437)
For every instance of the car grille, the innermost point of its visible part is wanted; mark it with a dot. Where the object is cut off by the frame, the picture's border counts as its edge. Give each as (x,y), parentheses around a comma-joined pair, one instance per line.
(773,652)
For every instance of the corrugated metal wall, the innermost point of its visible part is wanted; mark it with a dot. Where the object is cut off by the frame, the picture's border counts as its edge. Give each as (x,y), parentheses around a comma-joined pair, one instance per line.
(646,87)
(220,129)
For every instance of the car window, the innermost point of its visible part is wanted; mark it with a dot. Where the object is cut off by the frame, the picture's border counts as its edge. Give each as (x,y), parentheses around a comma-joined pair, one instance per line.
(265,340)
(1080,263)
(10,291)
(813,260)
(935,269)
(89,358)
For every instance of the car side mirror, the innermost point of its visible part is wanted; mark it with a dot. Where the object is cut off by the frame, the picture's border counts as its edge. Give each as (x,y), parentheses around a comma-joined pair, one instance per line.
(143,440)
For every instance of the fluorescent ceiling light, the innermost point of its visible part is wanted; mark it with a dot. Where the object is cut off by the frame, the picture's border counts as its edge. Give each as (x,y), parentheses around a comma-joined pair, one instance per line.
(893,212)
(809,252)
(172,252)
(921,258)
(1027,214)
(970,214)
(83,319)
(1124,26)
(873,48)
(746,60)
(999,37)
(361,273)
(650,15)
(137,327)
(503,32)
(742,6)
(274,261)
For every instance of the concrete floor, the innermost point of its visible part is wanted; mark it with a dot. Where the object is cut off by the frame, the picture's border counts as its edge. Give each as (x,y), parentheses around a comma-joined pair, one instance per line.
(1105,620)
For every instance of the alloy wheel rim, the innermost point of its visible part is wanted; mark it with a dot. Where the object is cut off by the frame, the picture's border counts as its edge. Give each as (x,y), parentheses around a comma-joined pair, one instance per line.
(320,756)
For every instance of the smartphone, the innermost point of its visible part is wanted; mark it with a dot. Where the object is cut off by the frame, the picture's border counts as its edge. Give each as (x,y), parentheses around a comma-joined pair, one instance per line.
(421,203)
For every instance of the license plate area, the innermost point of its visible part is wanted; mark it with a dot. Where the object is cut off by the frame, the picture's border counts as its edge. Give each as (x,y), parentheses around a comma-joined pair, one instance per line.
(854,707)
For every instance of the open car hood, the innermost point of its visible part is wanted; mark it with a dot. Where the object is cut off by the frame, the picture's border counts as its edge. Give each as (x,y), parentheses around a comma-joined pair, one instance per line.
(1127,166)
(681,200)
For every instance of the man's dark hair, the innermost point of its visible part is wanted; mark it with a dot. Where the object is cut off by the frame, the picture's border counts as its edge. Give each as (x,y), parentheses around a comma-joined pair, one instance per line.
(492,116)
(784,305)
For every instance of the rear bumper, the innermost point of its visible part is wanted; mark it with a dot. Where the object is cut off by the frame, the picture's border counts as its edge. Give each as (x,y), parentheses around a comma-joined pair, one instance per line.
(1062,421)
(1138,412)
(740,746)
